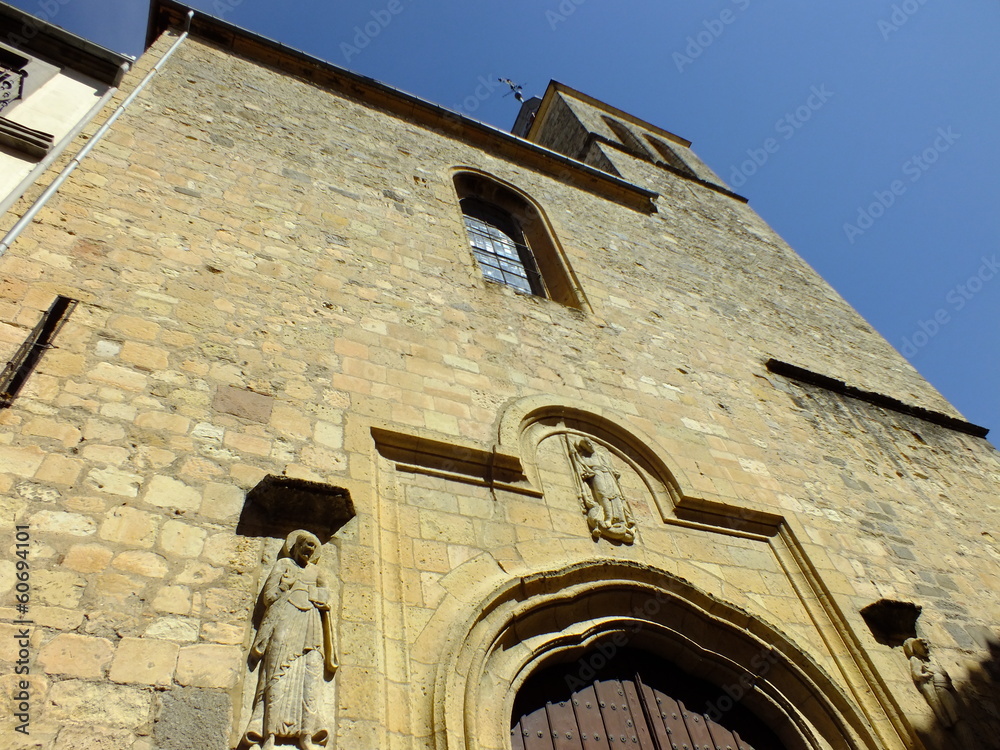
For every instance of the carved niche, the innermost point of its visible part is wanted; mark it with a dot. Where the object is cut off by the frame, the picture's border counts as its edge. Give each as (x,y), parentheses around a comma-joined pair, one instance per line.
(595,476)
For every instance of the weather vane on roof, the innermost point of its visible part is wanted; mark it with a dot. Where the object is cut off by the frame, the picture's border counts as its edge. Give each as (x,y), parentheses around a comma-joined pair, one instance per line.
(515,89)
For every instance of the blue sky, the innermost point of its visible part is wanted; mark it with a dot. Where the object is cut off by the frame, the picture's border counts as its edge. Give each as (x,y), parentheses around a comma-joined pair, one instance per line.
(863,131)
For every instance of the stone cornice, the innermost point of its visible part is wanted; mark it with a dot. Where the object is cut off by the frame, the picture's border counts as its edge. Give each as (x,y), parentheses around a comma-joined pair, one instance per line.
(167,14)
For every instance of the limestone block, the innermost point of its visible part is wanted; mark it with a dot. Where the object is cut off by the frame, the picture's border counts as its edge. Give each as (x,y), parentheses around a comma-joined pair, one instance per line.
(8,576)
(142,563)
(62,364)
(209,666)
(58,522)
(99,430)
(173,599)
(223,632)
(135,328)
(10,507)
(156,458)
(181,629)
(145,356)
(290,421)
(100,703)
(67,434)
(59,469)
(118,590)
(58,588)
(243,403)
(182,539)
(95,738)
(144,661)
(115,481)
(228,603)
(329,435)
(10,635)
(226,550)
(57,618)
(125,412)
(245,443)
(118,376)
(222,500)
(76,655)
(105,454)
(197,573)
(129,526)
(23,462)
(165,492)
(161,421)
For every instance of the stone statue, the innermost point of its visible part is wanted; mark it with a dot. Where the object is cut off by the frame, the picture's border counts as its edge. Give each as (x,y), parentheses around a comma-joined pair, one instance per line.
(608,515)
(294,646)
(932,681)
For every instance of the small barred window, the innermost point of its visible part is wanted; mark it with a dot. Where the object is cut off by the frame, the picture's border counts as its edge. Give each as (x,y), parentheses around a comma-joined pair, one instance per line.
(499,246)
(512,241)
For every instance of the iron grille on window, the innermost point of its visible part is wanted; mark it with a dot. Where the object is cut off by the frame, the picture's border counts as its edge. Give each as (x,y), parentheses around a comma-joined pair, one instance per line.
(500,249)
(12,77)
(14,375)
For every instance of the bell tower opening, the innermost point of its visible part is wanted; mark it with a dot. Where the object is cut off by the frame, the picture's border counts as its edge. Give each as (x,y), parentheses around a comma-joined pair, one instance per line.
(619,697)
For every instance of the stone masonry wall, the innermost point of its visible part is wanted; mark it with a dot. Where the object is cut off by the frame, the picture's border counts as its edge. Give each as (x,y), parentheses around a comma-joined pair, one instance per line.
(266,270)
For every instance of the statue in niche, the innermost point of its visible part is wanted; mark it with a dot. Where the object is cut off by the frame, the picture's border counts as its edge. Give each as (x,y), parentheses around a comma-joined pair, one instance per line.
(608,514)
(932,681)
(294,645)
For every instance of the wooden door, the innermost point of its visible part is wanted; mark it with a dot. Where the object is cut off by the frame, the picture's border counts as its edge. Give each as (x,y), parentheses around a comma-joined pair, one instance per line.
(626,714)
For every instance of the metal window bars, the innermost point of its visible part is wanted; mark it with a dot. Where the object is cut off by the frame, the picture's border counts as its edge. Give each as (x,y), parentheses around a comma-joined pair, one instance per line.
(26,357)
(12,78)
(501,258)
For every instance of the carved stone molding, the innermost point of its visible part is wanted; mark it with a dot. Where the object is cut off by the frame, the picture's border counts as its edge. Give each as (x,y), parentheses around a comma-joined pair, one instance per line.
(20,138)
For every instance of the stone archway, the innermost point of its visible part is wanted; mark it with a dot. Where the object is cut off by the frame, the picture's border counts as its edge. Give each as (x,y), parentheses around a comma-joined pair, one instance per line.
(558,617)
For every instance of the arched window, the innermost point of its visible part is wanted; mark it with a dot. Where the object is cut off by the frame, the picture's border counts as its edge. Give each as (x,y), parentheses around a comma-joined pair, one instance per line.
(499,246)
(628,139)
(511,240)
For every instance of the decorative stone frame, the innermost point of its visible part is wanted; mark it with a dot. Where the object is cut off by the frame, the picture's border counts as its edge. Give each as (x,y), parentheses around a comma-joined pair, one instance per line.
(508,613)
(555,616)
(553,267)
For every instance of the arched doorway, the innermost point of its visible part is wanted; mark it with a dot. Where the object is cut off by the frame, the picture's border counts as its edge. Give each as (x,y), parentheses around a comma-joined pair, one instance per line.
(634,700)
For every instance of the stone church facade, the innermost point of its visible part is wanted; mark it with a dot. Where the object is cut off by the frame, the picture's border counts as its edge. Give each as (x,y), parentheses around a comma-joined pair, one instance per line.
(334,418)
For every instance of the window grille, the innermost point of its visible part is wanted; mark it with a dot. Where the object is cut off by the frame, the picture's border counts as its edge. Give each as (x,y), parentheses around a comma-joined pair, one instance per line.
(12,77)
(499,247)
(26,357)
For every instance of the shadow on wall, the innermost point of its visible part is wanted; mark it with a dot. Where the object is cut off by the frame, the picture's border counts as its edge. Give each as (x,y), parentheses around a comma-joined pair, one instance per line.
(967,714)
(978,706)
